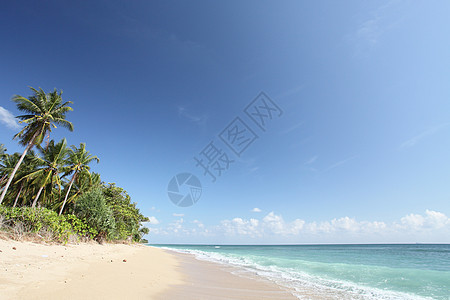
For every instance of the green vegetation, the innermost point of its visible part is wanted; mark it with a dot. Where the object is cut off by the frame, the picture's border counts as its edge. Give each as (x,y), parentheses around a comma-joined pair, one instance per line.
(52,190)
(91,207)
(45,222)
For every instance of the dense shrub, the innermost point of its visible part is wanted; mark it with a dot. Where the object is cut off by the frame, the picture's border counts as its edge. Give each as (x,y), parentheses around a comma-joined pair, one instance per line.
(92,209)
(45,220)
(127,216)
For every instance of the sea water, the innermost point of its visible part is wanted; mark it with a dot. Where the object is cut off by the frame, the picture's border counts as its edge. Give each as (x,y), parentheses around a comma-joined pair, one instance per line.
(419,271)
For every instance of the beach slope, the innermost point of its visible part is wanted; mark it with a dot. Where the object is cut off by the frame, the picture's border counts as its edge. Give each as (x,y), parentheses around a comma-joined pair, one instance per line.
(85,271)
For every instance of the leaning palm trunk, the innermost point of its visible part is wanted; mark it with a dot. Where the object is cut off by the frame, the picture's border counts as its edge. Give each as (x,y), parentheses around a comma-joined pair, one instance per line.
(30,144)
(18,195)
(37,197)
(67,194)
(2,179)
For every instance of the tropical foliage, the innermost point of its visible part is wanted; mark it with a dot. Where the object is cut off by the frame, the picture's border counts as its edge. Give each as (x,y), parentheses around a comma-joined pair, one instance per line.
(46,222)
(91,207)
(126,215)
(43,111)
(53,187)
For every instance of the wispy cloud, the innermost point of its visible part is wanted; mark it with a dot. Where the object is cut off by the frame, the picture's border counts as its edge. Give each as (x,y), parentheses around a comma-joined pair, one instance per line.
(254,169)
(292,128)
(256,210)
(369,32)
(7,118)
(177,215)
(311,160)
(340,163)
(416,139)
(183,112)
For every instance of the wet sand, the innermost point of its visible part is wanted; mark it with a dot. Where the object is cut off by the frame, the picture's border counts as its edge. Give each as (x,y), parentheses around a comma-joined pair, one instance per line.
(207,280)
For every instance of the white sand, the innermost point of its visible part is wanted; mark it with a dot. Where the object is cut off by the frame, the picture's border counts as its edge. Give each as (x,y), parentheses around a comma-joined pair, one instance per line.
(93,271)
(85,271)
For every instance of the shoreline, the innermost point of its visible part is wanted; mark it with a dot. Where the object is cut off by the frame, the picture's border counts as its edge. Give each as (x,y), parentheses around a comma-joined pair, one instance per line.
(211,280)
(118,271)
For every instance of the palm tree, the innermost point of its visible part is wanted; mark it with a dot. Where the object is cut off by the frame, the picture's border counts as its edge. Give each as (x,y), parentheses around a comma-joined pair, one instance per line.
(84,182)
(78,161)
(43,111)
(51,164)
(7,164)
(2,150)
(29,165)
(3,156)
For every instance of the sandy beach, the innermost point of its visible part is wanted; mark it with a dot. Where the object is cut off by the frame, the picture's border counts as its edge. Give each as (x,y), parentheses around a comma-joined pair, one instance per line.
(85,271)
(93,271)
(208,280)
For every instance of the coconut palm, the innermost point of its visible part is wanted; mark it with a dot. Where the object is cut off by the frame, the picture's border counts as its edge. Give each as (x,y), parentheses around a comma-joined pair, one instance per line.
(51,164)
(2,150)
(29,165)
(43,111)
(3,156)
(84,182)
(78,161)
(7,164)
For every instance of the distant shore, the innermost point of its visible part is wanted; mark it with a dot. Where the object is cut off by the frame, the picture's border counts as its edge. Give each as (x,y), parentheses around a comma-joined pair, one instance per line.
(117,271)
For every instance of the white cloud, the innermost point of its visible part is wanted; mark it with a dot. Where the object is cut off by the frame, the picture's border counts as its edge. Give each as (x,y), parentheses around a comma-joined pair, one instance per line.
(199,224)
(8,119)
(256,210)
(431,226)
(413,221)
(431,220)
(177,215)
(436,219)
(152,221)
(274,225)
(240,227)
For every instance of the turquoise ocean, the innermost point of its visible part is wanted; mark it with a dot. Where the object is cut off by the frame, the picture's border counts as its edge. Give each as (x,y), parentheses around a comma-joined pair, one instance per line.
(420,271)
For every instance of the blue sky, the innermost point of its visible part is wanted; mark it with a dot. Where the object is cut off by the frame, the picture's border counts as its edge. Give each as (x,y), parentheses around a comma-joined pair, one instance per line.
(360,153)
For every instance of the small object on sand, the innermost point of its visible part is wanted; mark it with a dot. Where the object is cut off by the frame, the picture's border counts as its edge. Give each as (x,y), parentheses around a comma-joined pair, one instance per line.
(65,281)
(14,248)
(1,251)
(111,260)
(124,260)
